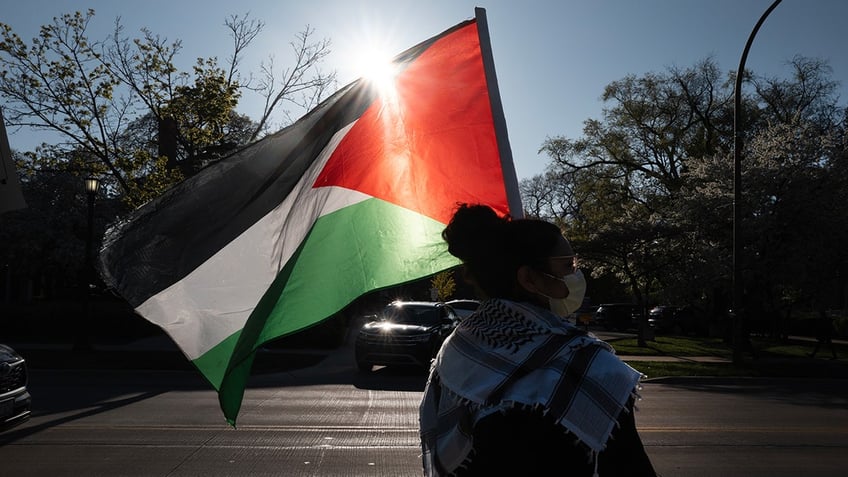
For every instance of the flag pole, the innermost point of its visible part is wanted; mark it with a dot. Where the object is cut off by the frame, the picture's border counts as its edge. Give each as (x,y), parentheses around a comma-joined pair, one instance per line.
(507,167)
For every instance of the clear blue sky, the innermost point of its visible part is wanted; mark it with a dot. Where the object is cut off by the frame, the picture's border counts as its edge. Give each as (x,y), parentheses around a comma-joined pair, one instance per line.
(553,58)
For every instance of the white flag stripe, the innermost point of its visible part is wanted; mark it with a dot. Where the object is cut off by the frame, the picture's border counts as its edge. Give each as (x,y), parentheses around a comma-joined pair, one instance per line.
(216,299)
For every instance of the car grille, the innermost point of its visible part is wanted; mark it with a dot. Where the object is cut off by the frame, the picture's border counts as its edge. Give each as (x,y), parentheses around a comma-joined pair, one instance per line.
(12,376)
(390,339)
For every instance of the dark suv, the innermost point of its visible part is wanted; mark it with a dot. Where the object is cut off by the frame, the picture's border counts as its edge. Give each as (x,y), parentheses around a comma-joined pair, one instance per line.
(672,319)
(405,333)
(14,397)
(617,316)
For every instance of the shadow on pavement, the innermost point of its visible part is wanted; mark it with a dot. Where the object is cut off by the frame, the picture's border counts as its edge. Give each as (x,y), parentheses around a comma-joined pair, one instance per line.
(827,393)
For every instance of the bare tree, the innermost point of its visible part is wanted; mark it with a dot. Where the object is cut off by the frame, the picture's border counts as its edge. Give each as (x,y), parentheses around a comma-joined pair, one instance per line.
(93,93)
(303,85)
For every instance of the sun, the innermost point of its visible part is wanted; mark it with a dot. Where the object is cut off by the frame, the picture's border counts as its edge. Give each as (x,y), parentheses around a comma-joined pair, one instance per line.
(374,64)
(380,71)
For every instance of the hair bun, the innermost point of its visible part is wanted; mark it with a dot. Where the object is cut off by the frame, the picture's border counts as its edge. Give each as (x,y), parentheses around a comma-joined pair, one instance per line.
(475,232)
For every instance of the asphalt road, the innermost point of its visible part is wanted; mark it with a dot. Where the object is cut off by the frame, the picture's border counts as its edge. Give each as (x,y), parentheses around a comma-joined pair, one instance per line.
(328,420)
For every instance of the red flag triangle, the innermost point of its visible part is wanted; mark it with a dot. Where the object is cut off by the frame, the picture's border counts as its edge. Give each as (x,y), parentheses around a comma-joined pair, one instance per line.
(433,144)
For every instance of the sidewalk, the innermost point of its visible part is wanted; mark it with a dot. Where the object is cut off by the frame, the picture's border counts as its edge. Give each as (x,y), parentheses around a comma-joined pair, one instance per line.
(677,359)
(159,352)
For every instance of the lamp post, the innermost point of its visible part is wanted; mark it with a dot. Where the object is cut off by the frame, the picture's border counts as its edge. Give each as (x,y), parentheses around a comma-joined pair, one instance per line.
(92,185)
(737,313)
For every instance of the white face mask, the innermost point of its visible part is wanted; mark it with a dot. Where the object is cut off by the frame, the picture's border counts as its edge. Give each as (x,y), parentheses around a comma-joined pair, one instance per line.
(576,284)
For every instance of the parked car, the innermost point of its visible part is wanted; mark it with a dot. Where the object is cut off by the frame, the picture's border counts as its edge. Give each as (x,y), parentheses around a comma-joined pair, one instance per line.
(463,307)
(671,319)
(617,316)
(15,401)
(405,333)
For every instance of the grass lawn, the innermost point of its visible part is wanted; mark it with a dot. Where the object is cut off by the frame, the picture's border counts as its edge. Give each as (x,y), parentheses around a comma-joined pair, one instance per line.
(767,358)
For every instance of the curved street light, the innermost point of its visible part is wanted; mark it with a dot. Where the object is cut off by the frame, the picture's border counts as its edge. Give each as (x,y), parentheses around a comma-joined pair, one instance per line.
(737,312)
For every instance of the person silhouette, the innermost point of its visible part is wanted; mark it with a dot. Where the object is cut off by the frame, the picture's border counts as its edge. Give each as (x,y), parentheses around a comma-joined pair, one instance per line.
(824,334)
(516,389)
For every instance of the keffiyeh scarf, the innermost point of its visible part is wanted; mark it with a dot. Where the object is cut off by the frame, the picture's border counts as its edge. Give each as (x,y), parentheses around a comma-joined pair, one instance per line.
(511,354)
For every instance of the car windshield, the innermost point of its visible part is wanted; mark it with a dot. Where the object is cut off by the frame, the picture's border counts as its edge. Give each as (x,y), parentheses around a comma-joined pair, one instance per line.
(411,315)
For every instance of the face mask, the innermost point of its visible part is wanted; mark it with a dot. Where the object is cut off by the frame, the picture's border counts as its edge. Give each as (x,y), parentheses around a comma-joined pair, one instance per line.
(576,284)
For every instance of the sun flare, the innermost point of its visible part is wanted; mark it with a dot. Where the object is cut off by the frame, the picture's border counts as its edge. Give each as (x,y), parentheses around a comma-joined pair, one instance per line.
(375,66)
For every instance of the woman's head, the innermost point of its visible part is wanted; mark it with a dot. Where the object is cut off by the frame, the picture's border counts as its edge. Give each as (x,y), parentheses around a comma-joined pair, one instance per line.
(521,259)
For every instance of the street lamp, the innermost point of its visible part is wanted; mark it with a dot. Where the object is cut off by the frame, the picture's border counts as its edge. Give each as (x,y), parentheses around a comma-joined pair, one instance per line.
(92,185)
(737,312)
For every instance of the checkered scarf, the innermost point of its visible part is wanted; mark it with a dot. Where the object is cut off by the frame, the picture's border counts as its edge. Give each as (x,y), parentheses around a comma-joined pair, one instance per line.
(512,354)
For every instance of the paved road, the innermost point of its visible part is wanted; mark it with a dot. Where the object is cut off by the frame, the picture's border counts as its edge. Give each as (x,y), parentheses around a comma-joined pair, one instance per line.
(746,427)
(327,420)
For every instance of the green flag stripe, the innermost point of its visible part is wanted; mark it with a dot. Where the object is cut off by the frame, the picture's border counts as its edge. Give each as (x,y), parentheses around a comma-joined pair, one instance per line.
(364,247)
(360,248)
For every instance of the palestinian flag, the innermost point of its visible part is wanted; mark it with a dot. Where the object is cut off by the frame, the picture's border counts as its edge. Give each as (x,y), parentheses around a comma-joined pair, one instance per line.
(351,198)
